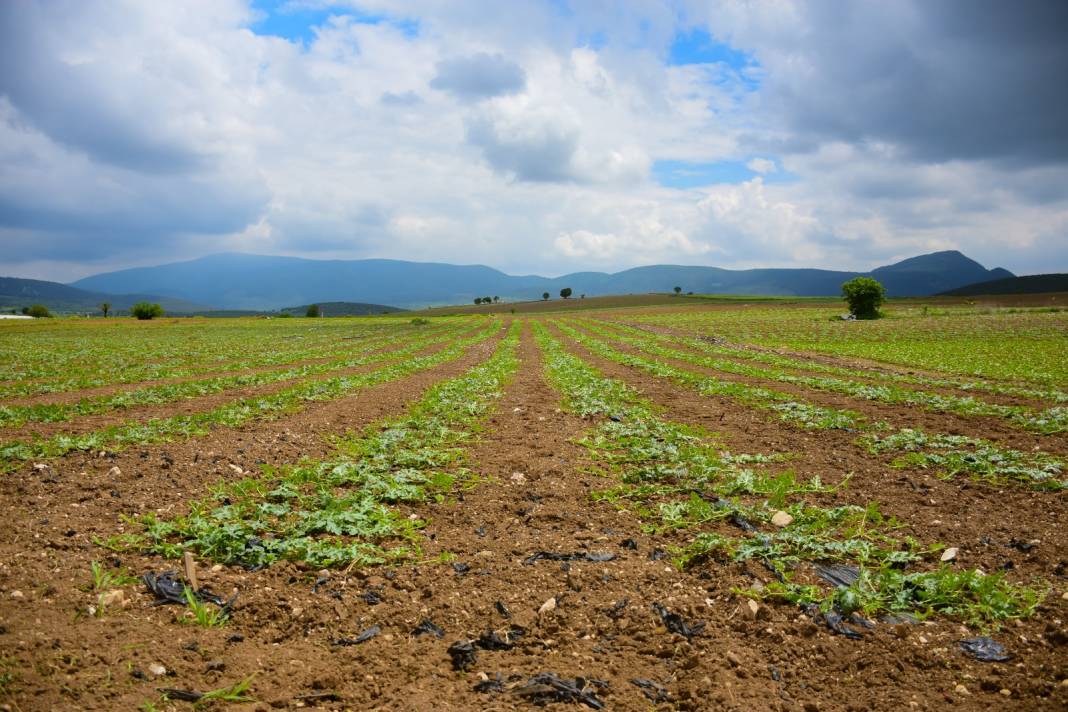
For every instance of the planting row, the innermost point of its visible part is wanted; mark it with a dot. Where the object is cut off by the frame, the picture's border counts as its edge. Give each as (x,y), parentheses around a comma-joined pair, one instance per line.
(845,565)
(1045,422)
(949,455)
(402,362)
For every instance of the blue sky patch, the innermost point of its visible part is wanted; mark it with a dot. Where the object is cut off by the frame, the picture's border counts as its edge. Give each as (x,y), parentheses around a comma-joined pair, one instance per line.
(684,174)
(699,47)
(297,23)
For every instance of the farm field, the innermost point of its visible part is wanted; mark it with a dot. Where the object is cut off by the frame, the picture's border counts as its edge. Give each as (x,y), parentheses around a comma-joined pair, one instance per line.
(670,503)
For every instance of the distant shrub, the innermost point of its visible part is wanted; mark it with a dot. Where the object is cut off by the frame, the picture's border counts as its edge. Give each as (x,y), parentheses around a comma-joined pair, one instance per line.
(545,296)
(420,321)
(864,296)
(146,310)
(285,315)
(565,292)
(313,311)
(37,311)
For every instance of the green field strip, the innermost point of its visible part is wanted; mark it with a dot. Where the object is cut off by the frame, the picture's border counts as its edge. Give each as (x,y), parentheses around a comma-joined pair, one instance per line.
(1045,422)
(353,356)
(680,482)
(1023,347)
(287,401)
(95,367)
(947,455)
(804,364)
(344,511)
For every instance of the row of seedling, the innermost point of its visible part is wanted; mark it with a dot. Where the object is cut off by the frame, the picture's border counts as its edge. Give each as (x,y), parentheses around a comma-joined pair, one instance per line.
(976,457)
(345,510)
(1047,421)
(851,563)
(402,362)
(352,355)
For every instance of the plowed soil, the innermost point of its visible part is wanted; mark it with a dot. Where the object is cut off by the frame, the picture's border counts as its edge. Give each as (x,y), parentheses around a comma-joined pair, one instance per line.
(591,618)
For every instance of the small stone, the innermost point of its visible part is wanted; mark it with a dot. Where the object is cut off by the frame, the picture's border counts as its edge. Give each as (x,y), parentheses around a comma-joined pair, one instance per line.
(518,477)
(548,607)
(961,690)
(733,659)
(157,669)
(949,554)
(1006,692)
(1065,595)
(216,568)
(40,466)
(114,471)
(114,597)
(236,468)
(17,594)
(215,666)
(297,610)
(781,519)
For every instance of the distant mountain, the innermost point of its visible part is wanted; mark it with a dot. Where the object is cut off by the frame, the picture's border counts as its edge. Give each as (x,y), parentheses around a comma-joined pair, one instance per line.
(343,309)
(239,281)
(16,293)
(1030,284)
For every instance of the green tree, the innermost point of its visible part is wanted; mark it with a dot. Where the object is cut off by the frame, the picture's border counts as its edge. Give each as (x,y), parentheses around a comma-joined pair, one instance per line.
(565,292)
(313,311)
(106,308)
(545,296)
(864,296)
(37,311)
(146,310)
(678,291)
(496,299)
(478,300)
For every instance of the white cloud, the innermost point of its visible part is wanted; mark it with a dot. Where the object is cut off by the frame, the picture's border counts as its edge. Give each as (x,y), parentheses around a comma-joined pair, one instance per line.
(134,133)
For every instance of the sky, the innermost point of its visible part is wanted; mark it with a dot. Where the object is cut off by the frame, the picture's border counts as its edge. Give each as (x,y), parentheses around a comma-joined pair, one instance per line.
(542,137)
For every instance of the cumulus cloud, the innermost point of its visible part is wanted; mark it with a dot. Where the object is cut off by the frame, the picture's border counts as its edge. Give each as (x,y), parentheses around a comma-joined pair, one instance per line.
(135,132)
(479,76)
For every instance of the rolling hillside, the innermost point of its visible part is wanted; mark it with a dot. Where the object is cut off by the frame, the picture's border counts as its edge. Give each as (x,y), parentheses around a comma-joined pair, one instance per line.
(240,281)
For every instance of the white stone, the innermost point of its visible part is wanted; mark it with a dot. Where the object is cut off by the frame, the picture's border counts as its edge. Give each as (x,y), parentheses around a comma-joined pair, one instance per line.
(548,607)
(949,554)
(781,519)
(114,471)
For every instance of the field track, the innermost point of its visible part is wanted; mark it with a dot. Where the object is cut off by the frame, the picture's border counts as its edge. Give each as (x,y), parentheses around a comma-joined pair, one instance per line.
(644,502)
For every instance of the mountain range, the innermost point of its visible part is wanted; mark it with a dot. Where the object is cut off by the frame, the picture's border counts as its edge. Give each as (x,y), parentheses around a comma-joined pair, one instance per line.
(16,293)
(244,281)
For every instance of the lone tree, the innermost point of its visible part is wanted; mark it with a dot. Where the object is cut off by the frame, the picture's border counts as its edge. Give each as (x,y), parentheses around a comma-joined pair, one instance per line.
(37,311)
(565,292)
(106,308)
(313,311)
(478,300)
(146,310)
(496,299)
(545,296)
(678,291)
(864,296)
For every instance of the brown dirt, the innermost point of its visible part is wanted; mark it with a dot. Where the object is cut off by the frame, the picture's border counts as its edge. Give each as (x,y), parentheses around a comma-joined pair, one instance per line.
(780,661)
(863,372)
(997,430)
(185,406)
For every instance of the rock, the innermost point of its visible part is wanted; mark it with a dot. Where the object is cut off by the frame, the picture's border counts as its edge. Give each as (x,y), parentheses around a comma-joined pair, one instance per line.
(40,466)
(236,468)
(157,669)
(751,610)
(949,554)
(781,519)
(548,607)
(17,594)
(1006,692)
(733,659)
(114,597)
(114,471)
(518,477)
(215,666)
(961,690)
(1065,595)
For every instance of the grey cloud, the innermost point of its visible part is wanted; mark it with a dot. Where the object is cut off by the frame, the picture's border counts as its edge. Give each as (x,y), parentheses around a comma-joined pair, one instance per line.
(77,104)
(954,79)
(542,155)
(479,76)
(408,98)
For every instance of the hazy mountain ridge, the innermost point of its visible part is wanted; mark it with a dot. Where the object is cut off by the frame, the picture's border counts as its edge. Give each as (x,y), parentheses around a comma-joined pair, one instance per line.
(16,292)
(241,281)
(1029,284)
